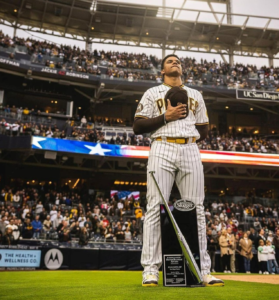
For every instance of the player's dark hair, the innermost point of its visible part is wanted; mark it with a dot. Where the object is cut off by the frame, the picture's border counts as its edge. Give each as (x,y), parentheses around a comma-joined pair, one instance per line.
(163,61)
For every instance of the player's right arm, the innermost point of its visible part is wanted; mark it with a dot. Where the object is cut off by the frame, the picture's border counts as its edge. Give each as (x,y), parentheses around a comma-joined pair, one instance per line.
(145,123)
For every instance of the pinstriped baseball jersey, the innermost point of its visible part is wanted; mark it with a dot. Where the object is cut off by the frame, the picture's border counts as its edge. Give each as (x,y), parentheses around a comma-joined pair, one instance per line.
(153,105)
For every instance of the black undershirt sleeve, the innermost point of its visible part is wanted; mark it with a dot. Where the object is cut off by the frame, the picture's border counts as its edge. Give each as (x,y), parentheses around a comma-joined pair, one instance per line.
(203,131)
(141,125)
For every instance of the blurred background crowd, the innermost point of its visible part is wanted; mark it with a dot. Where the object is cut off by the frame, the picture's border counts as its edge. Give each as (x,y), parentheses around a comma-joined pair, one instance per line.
(133,67)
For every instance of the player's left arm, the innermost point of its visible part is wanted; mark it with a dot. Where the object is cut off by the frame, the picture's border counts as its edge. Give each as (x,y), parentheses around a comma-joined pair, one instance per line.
(202,120)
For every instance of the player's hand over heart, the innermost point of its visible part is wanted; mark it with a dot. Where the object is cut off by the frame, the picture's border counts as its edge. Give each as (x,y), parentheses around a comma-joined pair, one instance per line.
(175,113)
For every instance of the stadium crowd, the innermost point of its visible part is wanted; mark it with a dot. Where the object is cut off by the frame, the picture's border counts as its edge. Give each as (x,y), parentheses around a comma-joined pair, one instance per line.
(87,131)
(225,233)
(50,212)
(121,65)
(44,213)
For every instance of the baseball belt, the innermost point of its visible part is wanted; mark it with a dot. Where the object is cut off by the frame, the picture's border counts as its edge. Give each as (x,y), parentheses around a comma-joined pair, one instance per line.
(176,140)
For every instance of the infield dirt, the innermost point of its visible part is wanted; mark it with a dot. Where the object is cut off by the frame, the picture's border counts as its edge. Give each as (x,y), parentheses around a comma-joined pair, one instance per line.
(273,279)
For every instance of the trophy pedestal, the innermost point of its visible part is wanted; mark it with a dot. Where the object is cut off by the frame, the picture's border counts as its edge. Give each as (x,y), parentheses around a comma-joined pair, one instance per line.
(175,270)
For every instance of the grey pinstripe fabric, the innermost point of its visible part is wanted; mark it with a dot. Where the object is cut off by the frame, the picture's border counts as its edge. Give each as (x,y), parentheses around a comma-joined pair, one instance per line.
(173,162)
(180,163)
(180,128)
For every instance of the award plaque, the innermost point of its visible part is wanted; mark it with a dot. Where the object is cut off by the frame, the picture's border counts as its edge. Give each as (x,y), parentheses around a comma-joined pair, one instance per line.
(175,268)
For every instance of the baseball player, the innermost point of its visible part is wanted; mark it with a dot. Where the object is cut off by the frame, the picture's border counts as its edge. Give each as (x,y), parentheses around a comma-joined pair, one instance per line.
(174,156)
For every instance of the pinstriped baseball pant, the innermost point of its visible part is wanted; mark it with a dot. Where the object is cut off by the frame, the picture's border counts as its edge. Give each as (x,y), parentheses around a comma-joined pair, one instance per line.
(180,163)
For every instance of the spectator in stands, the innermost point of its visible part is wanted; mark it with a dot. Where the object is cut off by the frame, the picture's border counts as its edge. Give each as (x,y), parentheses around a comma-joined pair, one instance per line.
(49,133)
(16,198)
(138,213)
(119,233)
(75,229)
(47,225)
(109,236)
(83,237)
(81,220)
(25,113)
(83,121)
(16,230)
(262,257)
(64,232)
(13,112)
(257,224)
(252,236)
(246,251)
(226,251)
(128,234)
(53,213)
(261,236)
(57,221)
(43,215)
(231,238)
(39,208)
(7,111)
(211,248)
(37,227)
(27,230)
(8,238)
(8,196)
(272,265)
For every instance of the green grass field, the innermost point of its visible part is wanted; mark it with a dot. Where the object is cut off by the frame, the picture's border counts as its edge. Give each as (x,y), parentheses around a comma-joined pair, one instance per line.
(117,285)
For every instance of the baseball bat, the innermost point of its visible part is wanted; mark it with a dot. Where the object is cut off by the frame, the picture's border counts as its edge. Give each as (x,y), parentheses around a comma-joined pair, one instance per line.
(190,260)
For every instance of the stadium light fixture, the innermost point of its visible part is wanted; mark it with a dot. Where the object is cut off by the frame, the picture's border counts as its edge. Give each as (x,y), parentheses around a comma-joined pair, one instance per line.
(27,182)
(217,38)
(92,28)
(227,107)
(137,100)
(147,33)
(110,99)
(15,10)
(251,108)
(93,6)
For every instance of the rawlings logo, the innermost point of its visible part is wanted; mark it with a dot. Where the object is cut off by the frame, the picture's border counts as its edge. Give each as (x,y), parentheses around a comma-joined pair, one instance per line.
(184,205)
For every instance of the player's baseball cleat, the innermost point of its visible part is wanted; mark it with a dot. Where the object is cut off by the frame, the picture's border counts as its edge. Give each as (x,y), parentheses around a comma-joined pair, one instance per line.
(209,280)
(149,280)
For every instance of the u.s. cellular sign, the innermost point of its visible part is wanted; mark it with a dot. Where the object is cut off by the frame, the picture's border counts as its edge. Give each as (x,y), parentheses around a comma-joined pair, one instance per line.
(257,95)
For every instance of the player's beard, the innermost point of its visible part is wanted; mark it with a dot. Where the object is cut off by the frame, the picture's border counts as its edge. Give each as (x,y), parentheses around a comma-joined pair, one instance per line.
(174,72)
